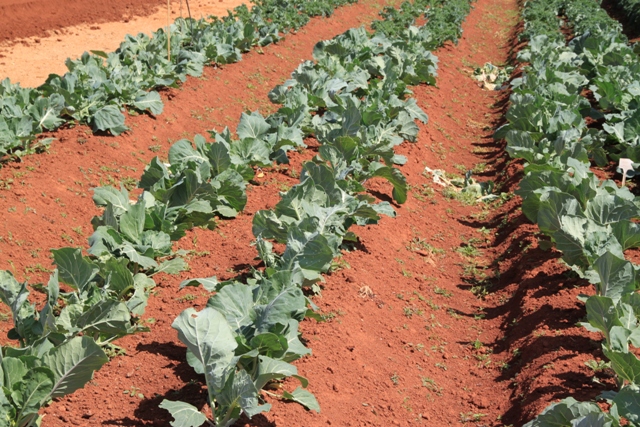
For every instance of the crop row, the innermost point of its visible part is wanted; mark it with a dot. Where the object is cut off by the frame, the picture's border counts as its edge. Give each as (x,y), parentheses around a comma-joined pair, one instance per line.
(99,86)
(354,101)
(631,9)
(576,103)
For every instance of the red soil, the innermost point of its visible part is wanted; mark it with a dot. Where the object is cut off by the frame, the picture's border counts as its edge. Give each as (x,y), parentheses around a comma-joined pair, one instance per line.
(408,342)
(26,18)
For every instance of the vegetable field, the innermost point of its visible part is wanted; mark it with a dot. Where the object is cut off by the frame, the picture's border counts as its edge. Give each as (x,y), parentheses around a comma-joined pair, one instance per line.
(307,213)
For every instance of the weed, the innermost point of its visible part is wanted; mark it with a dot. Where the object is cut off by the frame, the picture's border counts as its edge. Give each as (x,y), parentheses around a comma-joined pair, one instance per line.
(479,168)
(418,244)
(395,379)
(597,366)
(440,291)
(470,416)
(419,295)
(112,351)
(451,312)
(339,263)
(410,311)
(332,315)
(36,268)
(186,297)
(134,392)
(423,192)
(464,197)
(469,251)
(129,183)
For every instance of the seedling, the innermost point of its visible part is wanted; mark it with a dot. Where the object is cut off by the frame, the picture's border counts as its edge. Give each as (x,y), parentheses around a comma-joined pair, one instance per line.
(134,392)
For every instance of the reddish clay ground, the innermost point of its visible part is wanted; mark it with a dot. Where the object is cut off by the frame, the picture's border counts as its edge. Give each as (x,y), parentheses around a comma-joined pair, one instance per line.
(26,18)
(408,342)
(30,60)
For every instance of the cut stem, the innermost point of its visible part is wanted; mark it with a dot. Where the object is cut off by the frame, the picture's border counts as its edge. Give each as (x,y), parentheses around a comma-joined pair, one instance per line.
(169,30)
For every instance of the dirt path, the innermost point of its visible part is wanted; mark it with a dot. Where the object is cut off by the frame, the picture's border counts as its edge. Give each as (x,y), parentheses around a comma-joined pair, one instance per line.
(36,37)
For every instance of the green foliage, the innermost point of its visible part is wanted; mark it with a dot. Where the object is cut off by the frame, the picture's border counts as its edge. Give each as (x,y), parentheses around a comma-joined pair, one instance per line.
(99,86)
(353,99)
(61,345)
(591,221)
(631,10)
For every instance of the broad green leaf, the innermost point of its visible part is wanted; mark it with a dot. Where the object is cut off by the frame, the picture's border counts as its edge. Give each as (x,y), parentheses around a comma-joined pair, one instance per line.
(74,269)
(617,276)
(619,339)
(119,199)
(626,365)
(252,126)
(627,233)
(555,210)
(184,414)
(296,348)
(241,392)
(73,364)
(271,369)
(12,293)
(106,317)
(282,306)
(172,266)
(14,370)
(608,208)
(149,101)
(34,392)
(137,302)
(132,222)
(250,151)
(235,301)
(210,338)
(601,313)
(627,403)
(312,253)
(560,414)
(415,111)
(269,344)
(303,397)
(592,420)
(209,283)
(109,118)
(219,158)
(182,152)
(395,177)
(7,410)
(117,276)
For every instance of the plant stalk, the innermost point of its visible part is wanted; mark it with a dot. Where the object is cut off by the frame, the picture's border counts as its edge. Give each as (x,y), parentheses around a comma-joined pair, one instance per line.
(169,30)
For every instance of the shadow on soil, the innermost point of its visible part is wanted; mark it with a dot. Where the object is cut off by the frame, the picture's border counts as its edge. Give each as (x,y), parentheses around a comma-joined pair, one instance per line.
(522,276)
